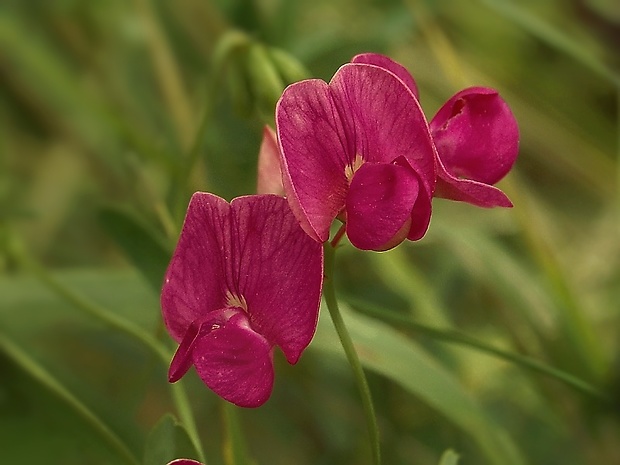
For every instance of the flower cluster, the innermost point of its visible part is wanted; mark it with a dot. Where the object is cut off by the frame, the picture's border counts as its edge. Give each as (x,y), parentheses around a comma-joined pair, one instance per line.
(360,149)
(246,276)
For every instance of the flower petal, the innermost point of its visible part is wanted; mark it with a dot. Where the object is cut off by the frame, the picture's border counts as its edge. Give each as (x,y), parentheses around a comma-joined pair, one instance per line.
(315,151)
(466,190)
(476,135)
(199,272)
(387,63)
(384,119)
(235,362)
(280,272)
(184,462)
(182,360)
(379,205)
(420,216)
(269,174)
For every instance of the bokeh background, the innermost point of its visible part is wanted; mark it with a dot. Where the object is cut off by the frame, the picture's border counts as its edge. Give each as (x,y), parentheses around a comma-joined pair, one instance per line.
(113,112)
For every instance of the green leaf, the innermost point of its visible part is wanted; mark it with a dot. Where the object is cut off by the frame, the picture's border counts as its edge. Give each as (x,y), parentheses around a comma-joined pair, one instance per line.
(168,440)
(143,248)
(391,354)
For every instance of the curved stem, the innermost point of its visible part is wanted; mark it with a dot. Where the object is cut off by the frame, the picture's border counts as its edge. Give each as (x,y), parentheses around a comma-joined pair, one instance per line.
(329,293)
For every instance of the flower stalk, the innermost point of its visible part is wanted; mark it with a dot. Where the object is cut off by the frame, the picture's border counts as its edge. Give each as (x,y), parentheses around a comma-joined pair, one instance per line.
(235,446)
(329,293)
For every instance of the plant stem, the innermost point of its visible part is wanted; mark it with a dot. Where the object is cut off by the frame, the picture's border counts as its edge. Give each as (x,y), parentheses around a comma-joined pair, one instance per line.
(457,337)
(329,292)
(235,448)
(339,235)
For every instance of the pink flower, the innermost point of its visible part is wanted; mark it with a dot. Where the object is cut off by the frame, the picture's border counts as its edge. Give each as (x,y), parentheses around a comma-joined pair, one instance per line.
(244,278)
(184,462)
(358,149)
(269,179)
(476,136)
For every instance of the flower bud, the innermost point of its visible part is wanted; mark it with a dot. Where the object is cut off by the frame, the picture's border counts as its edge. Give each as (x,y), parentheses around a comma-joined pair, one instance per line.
(239,86)
(290,69)
(265,80)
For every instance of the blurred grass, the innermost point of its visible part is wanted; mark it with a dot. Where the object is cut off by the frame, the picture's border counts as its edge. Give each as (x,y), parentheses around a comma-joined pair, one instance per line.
(101,105)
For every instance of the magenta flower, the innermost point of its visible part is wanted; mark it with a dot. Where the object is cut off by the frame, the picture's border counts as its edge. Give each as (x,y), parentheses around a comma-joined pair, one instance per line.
(358,149)
(477,140)
(184,462)
(476,136)
(244,278)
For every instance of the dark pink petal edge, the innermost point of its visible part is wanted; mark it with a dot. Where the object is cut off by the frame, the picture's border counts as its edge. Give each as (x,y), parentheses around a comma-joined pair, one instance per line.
(466,190)
(390,65)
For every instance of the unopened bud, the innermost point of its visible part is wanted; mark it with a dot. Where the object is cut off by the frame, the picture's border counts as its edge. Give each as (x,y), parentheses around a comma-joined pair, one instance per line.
(265,80)
(290,68)
(239,85)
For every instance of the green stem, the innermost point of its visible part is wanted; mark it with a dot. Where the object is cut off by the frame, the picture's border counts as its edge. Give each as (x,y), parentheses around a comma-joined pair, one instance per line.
(37,372)
(457,337)
(329,293)
(235,447)
(182,404)
(179,395)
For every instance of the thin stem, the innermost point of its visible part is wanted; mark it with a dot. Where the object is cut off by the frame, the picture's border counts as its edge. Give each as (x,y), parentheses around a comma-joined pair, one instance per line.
(37,372)
(182,405)
(457,337)
(179,394)
(329,292)
(235,448)
(339,235)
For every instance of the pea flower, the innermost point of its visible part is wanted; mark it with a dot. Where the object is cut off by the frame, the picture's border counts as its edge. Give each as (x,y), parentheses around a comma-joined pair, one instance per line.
(184,462)
(358,149)
(244,278)
(476,136)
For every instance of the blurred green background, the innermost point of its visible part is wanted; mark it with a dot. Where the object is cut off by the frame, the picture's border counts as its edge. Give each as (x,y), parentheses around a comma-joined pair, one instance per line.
(113,112)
